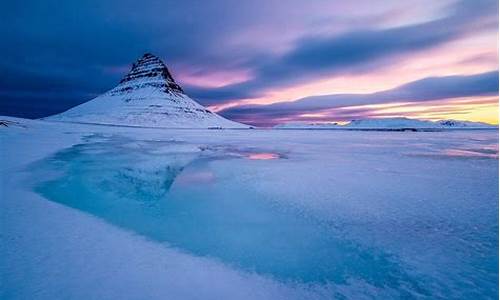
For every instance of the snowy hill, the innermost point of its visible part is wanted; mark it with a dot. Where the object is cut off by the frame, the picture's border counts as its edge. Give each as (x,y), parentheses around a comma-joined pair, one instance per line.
(147,96)
(414,123)
(390,124)
(459,124)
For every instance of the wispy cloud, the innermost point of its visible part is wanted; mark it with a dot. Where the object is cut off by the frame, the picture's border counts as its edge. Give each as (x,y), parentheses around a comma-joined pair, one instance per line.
(57,54)
(315,57)
(428,89)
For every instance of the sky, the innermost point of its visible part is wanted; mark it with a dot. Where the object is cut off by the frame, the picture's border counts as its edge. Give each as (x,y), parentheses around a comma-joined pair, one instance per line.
(262,62)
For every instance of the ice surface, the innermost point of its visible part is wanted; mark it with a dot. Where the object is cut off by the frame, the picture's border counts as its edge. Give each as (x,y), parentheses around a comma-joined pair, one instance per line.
(249,214)
(219,218)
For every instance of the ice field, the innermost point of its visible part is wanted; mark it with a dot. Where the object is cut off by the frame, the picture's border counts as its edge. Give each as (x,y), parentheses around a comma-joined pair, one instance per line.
(106,212)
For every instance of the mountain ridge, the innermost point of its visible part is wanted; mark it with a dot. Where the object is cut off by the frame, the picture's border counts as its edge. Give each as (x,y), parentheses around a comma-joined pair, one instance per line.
(397,123)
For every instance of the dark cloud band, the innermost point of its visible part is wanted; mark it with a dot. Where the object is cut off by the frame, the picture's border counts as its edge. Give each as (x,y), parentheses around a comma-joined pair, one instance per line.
(428,89)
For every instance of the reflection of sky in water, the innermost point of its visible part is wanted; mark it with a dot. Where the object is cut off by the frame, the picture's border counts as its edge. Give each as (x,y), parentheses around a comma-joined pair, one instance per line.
(478,153)
(195,177)
(476,149)
(198,199)
(263,156)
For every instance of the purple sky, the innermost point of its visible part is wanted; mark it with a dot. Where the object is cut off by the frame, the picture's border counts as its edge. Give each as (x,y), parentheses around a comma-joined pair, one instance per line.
(261,62)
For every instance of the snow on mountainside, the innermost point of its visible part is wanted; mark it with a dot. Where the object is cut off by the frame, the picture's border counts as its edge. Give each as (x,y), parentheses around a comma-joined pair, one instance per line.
(389,124)
(413,123)
(455,123)
(147,96)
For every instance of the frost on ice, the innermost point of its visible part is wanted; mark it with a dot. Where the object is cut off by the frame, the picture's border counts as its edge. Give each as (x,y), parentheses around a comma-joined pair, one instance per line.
(93,211)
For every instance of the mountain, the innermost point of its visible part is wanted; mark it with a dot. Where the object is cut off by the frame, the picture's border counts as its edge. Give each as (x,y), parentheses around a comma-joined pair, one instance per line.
(402,123)
(147,96)
(390,124)
(458,124)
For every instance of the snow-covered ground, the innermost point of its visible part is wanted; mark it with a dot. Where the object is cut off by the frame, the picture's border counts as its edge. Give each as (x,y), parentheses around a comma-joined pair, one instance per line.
(109,212)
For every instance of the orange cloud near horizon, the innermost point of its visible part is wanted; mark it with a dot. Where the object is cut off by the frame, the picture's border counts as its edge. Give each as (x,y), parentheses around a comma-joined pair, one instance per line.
(476,109)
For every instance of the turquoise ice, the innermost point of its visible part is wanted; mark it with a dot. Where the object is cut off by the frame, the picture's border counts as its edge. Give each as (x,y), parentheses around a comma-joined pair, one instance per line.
(408,233)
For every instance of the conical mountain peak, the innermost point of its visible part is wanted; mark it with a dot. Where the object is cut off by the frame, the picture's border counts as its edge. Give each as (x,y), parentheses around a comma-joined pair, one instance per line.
(147,96)
(150,70)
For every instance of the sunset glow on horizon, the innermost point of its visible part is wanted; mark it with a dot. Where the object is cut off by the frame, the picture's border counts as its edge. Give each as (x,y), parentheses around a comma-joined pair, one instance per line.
(265,63)
(432,63)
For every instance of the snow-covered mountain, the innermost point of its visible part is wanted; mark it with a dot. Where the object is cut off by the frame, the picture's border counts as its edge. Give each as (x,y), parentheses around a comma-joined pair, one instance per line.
(147,96)
(402,123)
(390,124)
(458,124)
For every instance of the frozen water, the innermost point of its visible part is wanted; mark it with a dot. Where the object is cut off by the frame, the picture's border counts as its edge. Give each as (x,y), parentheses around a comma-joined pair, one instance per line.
(209,213)
(342,214)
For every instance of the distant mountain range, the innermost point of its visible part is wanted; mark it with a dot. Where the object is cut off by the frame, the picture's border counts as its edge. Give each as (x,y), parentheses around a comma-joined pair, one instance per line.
(390,124)
(147,96)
